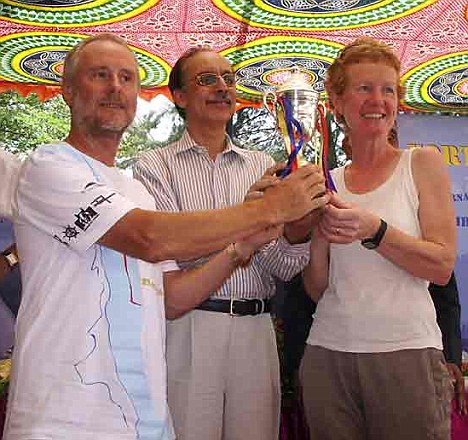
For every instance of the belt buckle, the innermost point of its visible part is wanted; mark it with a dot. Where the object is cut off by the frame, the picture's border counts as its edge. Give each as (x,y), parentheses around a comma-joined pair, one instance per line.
(259,310)
(231,306)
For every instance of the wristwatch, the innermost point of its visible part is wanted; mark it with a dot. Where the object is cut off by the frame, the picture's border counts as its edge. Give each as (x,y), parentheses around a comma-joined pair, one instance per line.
(373,242)
(11,258)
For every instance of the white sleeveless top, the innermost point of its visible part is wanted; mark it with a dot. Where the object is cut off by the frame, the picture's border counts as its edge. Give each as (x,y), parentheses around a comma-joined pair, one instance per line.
(370,304)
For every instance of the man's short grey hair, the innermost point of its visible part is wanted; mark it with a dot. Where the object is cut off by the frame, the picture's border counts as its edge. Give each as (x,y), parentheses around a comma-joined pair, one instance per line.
(72,57)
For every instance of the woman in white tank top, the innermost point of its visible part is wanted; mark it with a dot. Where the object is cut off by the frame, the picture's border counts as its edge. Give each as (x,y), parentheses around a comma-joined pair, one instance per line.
(373,366)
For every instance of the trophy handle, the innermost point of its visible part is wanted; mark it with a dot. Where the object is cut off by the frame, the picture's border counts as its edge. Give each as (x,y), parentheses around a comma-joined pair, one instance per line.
(266,104)
(321,112)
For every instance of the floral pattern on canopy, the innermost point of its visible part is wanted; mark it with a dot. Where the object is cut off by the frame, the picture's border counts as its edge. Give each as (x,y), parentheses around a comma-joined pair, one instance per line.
(262,38)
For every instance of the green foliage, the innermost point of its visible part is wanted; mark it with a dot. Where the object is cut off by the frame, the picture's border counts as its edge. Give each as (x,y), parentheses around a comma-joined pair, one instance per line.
(26,122)
(153,130)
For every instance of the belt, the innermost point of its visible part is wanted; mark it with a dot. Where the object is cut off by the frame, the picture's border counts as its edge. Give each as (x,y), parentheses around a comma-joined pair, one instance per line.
(236,307)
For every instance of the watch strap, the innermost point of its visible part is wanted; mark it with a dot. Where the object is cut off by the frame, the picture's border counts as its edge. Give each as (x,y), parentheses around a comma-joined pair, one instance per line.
(374,242)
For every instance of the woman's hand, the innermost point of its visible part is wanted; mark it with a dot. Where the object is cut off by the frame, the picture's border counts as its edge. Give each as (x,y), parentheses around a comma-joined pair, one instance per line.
(343,222)
(459,388)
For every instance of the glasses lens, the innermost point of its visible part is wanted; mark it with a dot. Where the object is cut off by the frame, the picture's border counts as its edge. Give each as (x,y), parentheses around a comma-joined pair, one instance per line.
(229,79)
(207,79)
(210,79)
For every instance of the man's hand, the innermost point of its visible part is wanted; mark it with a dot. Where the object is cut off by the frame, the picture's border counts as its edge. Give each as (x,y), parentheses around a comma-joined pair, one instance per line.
(268,179)
(300,231)
(298,194)
(254,242)
(297,231)
(459,388)
(249,245)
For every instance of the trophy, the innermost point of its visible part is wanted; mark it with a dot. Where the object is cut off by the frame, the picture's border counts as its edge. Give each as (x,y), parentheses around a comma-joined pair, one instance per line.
(297,110)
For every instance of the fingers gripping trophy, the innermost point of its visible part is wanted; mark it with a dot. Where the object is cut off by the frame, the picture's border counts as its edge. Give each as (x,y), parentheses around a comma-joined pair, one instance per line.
(300,118)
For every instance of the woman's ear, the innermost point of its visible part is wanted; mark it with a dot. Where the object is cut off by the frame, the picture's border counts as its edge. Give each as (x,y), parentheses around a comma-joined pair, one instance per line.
(337,103)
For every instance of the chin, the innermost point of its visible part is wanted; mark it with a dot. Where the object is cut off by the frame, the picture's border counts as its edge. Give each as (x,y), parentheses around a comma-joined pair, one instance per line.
(114,124)
(111,127)
(217,119)
(117,129)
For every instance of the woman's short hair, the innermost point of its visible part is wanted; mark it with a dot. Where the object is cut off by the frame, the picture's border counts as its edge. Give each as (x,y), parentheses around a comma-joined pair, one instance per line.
(361,50)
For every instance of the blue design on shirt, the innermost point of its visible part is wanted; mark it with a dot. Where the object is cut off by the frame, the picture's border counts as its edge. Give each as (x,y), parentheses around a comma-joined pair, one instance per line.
(124,314)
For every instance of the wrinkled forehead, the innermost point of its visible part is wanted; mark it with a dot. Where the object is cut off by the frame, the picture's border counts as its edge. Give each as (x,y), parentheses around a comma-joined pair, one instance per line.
(106,53)
(206,61)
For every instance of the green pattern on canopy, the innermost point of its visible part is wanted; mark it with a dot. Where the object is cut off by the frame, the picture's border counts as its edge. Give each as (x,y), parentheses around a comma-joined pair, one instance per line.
(262,38)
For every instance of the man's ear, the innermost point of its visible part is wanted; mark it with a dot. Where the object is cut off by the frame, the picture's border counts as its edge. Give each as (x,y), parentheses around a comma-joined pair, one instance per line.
(179,97)
(67,93)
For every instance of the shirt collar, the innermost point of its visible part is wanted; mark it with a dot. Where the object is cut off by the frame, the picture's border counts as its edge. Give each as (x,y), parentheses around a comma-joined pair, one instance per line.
(187,143)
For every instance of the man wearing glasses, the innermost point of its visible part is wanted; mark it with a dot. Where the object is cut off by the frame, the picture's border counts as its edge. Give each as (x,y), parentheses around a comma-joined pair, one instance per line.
(223,374)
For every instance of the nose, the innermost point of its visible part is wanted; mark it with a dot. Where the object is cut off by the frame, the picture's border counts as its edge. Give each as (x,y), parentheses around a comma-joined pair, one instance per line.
(378,93)
(220,83)
(115,82)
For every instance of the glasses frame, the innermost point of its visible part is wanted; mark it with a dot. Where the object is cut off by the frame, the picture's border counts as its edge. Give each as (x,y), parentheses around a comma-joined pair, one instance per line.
(229,79)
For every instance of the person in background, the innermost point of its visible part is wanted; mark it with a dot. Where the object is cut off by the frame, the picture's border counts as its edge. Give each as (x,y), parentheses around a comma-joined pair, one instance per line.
(373,367)
(10,167)
(89,357)
(10,294)
(223,376)
(447,306)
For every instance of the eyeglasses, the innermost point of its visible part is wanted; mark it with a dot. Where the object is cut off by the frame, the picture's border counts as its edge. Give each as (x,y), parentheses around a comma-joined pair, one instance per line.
(210,79)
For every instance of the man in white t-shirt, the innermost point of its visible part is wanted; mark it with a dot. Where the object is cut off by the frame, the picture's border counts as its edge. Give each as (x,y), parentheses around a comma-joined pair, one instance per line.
(89,350)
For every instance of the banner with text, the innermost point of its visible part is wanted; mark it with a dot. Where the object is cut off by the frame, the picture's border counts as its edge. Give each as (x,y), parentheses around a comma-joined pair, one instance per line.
(450,135)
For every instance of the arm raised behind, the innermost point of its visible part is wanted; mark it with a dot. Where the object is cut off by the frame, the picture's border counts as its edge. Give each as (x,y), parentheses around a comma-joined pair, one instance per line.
(315,274)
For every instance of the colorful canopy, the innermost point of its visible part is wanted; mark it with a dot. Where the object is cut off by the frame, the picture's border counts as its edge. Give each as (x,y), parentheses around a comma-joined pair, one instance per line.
(262,38)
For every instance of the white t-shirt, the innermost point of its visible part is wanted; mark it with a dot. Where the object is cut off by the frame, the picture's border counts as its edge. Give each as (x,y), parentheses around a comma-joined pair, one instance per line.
(89,359)
(9,172)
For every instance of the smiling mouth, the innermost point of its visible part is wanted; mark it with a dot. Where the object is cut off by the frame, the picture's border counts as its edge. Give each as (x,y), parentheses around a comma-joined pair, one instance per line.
(220,101)
(373,115)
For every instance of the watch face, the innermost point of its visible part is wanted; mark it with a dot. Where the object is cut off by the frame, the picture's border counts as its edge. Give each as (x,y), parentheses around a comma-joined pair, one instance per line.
(369,244)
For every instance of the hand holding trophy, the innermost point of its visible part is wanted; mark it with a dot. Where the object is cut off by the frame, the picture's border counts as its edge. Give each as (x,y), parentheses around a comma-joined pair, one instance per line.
(296,108)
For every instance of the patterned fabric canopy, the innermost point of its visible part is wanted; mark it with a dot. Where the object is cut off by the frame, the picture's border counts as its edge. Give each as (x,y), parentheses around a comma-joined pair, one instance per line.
(262,38)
